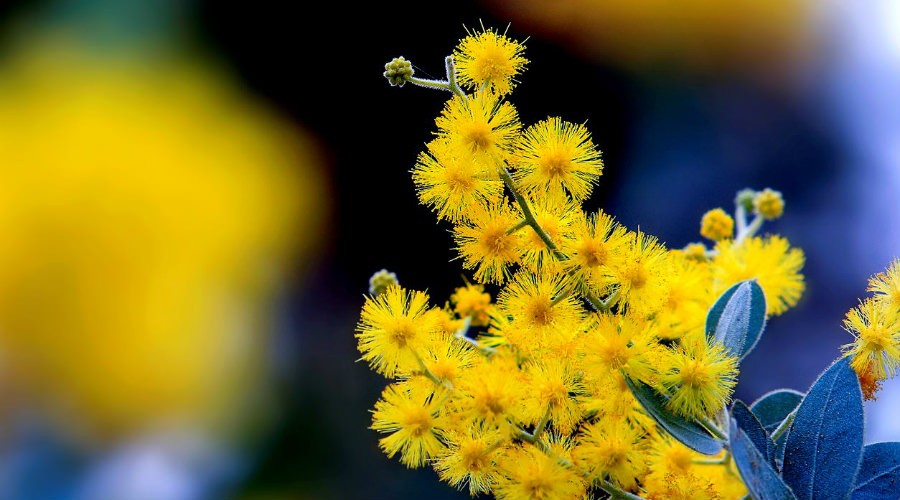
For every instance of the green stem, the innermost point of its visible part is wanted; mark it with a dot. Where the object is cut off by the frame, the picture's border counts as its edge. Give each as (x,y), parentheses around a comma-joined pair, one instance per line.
(518,226)
(716,461)
(740,215)
(528,214)
(715,431)
(429,375)
(452,84)
(539,429)
(606,305)
(750,230)
(784,425)
(430,84)
(615,492)
(595,302)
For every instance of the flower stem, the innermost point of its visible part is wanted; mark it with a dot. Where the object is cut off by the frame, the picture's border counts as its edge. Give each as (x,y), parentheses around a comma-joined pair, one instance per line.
(715,431)
(617,493)
(784,425)
(518,226)
(452,84)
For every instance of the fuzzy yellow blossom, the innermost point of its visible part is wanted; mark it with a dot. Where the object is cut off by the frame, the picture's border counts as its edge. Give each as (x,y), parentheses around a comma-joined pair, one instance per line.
(485,243)
(643,274)
(391,327)
(552,384)
(596,247)
(532,474)
(695,251)
(491,391)
(769,204)
(717,225)
(470,459)
(540,304)
(614,450)
(450,180)
(480,124)
(555,155)
(886,285)
(700,378)
(689,295)
(491,59)
(875,327)
(409,412)
(471,301)
(623,343)
(770,261)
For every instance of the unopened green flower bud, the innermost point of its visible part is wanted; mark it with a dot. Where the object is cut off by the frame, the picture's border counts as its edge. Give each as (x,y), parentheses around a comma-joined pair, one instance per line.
(398,71)
(744,198)
(380,282)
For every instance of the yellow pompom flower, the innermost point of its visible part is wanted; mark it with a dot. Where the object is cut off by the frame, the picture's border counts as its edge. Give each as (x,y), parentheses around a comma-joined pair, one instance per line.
(471,301)
(409,411)
(769,204)
(485,244)
(530,474)
(471,458)
(480,124)
(717,225)
(683,486)
(539,305)
(770,261)
(613,449)
(597,245)
(688,297)
(886,285)
(553,385)
(555,155)
(446,356)
(491,59)
(491,391)
(695,251)
(450,180)
(623,343)
(642,274)
(700,377)
(875,327)
(391,326)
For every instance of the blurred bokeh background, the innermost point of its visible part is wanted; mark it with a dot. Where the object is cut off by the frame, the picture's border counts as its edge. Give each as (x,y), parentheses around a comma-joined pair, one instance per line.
(194,194)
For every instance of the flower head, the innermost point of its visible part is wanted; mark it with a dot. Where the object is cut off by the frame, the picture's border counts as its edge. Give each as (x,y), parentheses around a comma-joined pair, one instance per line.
(532,474)
(768,203)
(770,261)
(470,458)
(717,225)
(556,155)
(480,124)
(642,273)
(597,246)
(473,302)
(700,378)
(390,327)
(450,180)
(489,58)
(875,327)
(886,285)
(485,244)
(410,413)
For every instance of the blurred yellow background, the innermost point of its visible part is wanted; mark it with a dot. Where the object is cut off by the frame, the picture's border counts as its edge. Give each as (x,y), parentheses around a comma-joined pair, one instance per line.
(149,211)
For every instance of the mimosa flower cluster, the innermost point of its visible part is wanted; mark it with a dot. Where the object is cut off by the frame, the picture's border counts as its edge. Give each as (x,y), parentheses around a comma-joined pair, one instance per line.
(522,384)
